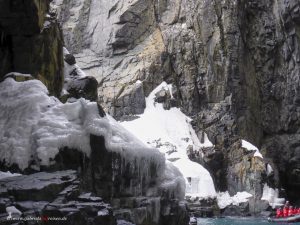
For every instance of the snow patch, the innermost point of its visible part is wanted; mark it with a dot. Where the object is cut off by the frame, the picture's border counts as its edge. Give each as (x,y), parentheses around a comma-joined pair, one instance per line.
(124,222)
(70,72)
(251,147)
(170,131)
(103,212)
(13,212)
(68,69)
(271,195)
(269,169)
(12,74)
(224,199)
(8,174)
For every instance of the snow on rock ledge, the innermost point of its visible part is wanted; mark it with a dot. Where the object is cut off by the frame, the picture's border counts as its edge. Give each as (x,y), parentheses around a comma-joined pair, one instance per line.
(34,126)
(251,147)
(224,199)
(7,174)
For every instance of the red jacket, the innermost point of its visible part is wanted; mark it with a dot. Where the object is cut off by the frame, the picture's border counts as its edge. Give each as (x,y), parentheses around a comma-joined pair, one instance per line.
(290,212)
(295,211)
(279,213)
(285,212)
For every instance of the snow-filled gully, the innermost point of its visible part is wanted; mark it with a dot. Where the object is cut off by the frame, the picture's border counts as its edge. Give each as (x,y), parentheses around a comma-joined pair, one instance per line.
(170,131)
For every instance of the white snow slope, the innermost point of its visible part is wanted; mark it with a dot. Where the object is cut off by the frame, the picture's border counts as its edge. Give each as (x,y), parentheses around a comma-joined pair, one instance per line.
(170,131)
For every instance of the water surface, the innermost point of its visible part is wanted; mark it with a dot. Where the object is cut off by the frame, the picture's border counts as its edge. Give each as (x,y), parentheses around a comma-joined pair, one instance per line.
(238,221)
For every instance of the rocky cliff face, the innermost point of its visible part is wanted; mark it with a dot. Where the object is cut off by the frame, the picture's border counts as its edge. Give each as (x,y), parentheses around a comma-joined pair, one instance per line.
(135,182)
(235,66)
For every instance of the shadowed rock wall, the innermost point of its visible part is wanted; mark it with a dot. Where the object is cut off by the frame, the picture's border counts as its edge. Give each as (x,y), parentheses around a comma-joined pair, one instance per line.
(31,42)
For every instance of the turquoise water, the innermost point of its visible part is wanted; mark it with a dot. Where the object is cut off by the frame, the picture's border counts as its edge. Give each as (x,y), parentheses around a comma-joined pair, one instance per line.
(238,221)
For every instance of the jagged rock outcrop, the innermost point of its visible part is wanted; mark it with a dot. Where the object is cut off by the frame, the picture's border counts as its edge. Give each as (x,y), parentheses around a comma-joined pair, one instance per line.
(97,32)
(54,198)
(31,42)
(235,65)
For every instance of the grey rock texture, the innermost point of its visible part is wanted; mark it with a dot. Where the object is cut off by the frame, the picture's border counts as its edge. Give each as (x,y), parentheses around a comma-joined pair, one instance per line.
(119,43)
(52,195)
(234,63)
(85,87)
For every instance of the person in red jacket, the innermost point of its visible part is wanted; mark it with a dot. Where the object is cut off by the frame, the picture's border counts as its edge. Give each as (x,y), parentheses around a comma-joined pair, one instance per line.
(290,211)
(285,211)
(295,211)
(279,213)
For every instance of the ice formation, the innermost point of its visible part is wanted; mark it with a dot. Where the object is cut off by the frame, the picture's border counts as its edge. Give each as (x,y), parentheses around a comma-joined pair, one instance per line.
(8,174)
(36,126)
(171,132)
(251,147)
(271,195)
(224,199)
(13,212)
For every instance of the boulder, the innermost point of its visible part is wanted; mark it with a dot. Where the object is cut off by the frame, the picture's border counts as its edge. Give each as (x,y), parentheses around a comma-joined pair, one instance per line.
(83,87)
(165,97)
(70,59)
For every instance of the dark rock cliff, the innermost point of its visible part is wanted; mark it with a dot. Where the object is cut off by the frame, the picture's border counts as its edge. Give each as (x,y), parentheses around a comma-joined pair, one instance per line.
(31,42)
(260,47)
(235,65)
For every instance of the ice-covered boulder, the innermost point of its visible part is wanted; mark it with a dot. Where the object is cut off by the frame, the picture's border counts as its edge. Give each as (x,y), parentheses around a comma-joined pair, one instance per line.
(76,83)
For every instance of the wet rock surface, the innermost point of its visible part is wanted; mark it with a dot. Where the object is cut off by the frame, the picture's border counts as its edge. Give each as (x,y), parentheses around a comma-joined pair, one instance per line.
(132,190)
(47,196)
(203,207)
(85,87)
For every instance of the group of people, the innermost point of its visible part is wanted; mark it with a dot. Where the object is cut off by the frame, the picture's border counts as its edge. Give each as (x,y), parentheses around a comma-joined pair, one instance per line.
(287,210)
